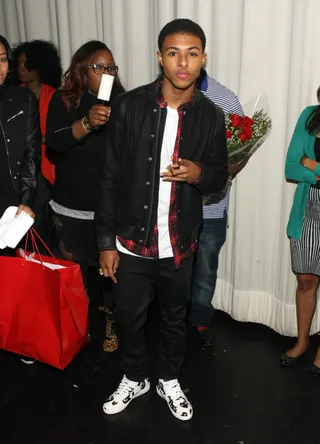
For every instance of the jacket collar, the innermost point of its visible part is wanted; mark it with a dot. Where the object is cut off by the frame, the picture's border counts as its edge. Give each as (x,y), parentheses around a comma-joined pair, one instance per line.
(155,93)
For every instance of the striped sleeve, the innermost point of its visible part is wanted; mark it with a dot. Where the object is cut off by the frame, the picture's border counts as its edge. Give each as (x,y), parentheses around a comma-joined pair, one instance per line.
(223,97)
(236,107)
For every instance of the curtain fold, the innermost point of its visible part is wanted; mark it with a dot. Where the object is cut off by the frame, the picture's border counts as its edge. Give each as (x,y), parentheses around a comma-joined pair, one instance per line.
(253,47)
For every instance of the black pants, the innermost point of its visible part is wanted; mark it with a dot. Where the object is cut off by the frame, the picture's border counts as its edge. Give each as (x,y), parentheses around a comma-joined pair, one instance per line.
(76,239)
(43,226)
(132,297)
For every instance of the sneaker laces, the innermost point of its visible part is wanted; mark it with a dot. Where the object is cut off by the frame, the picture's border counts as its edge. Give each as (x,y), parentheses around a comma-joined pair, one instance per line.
(125,387)
(173,389)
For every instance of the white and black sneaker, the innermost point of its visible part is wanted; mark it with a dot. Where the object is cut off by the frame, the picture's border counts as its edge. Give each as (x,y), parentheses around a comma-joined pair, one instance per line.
(177,401)
(125,393)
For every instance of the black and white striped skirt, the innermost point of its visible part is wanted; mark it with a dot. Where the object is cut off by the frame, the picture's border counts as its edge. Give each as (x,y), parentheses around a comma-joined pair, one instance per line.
(305,252)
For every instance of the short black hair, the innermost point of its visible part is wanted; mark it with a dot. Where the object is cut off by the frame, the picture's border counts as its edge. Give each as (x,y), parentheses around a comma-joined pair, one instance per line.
(181,26)
(43,56)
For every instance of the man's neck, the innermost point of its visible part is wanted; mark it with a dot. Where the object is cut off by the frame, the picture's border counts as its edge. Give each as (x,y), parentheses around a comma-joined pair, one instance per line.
(176,97)
(33,86)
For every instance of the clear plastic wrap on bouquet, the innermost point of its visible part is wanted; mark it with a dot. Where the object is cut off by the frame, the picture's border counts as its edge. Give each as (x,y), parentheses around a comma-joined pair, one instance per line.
(246,134)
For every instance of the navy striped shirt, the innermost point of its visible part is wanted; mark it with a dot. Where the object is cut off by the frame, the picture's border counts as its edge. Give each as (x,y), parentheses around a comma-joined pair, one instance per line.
(229,103)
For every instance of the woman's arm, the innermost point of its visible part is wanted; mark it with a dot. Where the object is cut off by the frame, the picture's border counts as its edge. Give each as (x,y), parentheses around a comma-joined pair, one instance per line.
(31,162)
(62,133)
(294,170)
(311,165)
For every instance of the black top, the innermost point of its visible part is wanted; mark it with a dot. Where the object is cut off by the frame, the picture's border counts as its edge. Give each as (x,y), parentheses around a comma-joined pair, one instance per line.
(78,162)
(317,154)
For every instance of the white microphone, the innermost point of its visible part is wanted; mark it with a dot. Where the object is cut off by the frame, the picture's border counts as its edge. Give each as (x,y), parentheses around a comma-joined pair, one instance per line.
(105,88)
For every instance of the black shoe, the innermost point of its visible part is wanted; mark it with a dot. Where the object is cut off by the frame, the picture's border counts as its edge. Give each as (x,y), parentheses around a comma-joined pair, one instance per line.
(287,361)
(315,371)
(205,333)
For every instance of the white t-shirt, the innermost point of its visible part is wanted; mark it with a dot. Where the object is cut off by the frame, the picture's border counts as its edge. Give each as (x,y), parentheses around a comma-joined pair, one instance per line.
(167,149)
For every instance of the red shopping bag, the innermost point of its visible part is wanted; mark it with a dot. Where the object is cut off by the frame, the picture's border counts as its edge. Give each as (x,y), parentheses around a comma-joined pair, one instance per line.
(43,312)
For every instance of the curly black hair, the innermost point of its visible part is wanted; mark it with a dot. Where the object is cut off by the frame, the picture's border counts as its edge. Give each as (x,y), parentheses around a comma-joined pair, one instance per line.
(44,57)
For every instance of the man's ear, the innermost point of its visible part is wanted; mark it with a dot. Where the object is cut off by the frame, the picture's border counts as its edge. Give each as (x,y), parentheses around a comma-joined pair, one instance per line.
(204,59)
(160,58)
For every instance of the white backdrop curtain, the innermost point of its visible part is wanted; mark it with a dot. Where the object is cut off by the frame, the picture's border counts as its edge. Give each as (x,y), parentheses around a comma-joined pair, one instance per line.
(254,46)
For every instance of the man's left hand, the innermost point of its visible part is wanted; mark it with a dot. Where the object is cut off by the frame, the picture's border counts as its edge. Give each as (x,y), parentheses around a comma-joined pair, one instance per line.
(182,171)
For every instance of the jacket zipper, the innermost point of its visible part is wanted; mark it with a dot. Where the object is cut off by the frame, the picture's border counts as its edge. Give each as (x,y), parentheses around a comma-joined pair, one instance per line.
(154,173)
(62,129)
(16,115)
(5,142)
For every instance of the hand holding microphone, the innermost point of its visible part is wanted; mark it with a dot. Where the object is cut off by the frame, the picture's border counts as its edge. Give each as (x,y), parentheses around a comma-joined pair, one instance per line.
(99,114)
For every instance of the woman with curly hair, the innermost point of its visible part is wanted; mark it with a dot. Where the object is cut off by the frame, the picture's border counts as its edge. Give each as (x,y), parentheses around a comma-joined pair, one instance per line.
(76,128)
(39,69)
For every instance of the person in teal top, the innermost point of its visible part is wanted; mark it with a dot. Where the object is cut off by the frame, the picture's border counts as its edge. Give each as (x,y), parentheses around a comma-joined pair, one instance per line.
(303,167)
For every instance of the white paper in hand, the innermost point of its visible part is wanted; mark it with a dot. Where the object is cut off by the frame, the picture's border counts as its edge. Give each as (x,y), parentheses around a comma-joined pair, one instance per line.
(105,87)
(13,228)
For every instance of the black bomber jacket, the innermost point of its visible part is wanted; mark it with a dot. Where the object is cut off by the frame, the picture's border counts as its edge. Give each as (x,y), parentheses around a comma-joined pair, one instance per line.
(129,188)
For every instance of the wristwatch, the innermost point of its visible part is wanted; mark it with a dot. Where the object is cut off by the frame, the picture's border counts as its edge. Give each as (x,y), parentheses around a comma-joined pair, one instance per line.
(86,124)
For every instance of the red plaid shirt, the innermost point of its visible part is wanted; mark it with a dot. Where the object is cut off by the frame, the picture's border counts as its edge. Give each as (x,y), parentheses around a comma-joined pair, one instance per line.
(153,251)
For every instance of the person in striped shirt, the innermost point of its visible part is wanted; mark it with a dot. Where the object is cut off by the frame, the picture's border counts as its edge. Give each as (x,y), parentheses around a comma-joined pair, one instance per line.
(214,229)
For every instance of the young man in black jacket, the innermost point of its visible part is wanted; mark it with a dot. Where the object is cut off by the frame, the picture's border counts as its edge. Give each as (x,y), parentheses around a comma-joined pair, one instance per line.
(166,147)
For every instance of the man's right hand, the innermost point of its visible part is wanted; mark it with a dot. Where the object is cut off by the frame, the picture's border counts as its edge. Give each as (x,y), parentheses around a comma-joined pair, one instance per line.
(109,263)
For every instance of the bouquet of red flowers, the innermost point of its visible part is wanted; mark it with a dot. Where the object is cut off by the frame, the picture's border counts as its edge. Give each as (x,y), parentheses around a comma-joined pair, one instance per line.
(246,134)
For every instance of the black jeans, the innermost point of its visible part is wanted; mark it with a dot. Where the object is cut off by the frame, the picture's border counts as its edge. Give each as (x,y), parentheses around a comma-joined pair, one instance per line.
(76,240)
(132,296)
